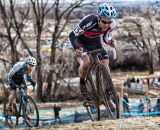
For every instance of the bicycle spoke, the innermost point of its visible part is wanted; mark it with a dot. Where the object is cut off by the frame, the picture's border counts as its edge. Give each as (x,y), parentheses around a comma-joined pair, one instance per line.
(108,95)
(93,106)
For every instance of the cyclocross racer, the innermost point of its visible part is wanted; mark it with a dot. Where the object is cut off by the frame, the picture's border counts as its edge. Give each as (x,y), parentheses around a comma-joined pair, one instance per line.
(86,36)
(16,77)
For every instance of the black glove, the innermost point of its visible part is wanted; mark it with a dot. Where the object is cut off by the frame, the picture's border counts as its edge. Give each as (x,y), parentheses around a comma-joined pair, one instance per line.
(33,82)
(12,85)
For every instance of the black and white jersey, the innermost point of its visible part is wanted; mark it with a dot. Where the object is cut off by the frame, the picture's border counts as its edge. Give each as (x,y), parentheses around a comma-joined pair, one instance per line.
(88,31)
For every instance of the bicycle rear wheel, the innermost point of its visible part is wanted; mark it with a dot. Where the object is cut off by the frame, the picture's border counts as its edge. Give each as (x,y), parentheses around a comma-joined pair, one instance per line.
(3,96)
(93,106)
(107,92)
(31,113)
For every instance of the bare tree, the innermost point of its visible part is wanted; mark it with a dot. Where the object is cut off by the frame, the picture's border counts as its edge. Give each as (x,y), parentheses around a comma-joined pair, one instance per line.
(13,25)
(138,33)
(40,9)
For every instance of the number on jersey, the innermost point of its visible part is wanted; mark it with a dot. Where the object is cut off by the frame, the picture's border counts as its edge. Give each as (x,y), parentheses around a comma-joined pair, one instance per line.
(77,31)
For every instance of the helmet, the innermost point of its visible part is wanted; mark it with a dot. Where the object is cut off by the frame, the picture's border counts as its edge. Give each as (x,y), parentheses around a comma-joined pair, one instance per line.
(31,60)
(106,11)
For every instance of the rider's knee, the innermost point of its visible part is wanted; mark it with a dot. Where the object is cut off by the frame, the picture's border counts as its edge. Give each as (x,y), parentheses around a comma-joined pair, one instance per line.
(26,91)
(105,61)
(86,65)
(13,93)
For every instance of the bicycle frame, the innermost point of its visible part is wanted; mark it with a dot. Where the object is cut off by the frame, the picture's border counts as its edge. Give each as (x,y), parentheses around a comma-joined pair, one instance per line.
(22,95)
(95,60)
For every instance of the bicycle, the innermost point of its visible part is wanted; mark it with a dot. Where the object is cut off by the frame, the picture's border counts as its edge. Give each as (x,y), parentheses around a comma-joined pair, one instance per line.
(25,108)
(101,90)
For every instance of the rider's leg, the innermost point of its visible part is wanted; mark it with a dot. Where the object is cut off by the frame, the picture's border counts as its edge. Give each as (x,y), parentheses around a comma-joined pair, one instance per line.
(82,70)
(11,97)
(106,63)
(82,73)
(10,100)
(26,91)
(105,59)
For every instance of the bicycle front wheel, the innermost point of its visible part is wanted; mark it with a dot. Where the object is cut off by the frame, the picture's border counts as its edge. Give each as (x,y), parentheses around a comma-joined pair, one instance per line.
(30,111)
(107,92)
(92,107)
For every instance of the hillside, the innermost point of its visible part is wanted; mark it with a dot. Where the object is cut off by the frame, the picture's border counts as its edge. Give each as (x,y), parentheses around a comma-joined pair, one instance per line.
(149,123)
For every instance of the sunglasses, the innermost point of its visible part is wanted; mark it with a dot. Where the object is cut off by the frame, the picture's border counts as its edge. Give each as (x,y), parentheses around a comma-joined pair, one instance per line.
(31,65)
(105,22)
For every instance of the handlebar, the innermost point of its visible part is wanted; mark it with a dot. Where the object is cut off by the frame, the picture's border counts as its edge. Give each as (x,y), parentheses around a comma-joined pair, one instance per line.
(92,52)
(23,86)
(114,50)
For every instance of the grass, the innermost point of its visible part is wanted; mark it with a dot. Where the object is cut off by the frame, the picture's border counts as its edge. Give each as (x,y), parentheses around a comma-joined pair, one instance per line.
(119,75)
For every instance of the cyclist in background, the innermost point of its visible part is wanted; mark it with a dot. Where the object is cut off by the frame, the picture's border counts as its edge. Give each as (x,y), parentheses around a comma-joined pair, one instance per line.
(86,37)
(18,75)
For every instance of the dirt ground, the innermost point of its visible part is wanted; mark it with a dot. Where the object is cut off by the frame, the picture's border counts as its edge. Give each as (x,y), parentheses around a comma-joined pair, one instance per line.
(148,123)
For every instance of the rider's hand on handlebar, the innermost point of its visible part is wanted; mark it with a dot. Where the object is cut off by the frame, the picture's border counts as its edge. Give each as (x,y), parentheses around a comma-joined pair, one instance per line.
(33,82)
(111,43)
(79,51)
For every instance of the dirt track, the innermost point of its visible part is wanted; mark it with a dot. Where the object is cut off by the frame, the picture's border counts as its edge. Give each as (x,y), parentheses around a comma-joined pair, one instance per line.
(149,123)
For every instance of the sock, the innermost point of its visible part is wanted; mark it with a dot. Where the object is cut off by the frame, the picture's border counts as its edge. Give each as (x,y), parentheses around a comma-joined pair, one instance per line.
(82,81)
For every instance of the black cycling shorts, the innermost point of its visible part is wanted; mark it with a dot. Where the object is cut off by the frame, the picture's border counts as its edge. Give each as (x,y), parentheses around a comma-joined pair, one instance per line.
(17,81)
(94,46)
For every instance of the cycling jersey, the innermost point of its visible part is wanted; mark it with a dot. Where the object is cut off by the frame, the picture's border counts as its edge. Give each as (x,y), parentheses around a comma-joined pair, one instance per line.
(88,32)
(17,74)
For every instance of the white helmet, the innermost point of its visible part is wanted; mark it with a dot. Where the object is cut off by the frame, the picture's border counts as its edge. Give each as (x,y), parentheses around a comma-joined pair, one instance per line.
(31,61)
(106,11)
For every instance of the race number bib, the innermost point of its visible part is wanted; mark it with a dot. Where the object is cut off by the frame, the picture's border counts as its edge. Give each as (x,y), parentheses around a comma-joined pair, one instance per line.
(77,31)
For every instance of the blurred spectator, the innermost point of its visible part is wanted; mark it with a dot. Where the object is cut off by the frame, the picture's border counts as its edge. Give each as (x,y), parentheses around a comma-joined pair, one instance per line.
(76,116)
(148,83)
(137,81)
(157,106)
(159,79)
(128,82)
(118,97)
(149,106)
(133,83)
(126,103)
(125,83)
(56,110)
(141,107)
(152,83)
(133,80)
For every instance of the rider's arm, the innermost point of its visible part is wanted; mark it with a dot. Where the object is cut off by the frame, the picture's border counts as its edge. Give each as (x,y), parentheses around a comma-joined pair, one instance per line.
(73,36)
(29,78)
(74,40)
(13,70)
(107,37)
